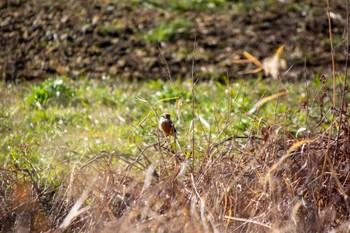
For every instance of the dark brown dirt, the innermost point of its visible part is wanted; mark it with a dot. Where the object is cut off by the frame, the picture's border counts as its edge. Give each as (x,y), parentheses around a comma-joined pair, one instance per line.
(39,39)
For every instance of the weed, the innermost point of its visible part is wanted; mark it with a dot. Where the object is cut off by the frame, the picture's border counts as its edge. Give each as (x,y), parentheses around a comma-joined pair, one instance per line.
(168,30)
(53,91)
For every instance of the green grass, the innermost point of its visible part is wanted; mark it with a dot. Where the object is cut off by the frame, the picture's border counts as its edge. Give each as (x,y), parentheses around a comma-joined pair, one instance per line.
(63,120)
(217,6)
(185,5)
(61,134)
(166,31)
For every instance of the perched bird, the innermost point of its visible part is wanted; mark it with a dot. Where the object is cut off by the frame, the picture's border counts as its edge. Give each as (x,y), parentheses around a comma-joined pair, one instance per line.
(166,125)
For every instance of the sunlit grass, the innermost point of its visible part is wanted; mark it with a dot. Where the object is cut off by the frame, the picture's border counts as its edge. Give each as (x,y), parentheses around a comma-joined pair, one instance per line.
(62,135)
(86,116)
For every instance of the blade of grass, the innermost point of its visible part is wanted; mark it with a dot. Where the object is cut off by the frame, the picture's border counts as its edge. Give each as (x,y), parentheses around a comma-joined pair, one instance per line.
(252,59)
(279,51)
(257,70)
(265,100)
(284,157)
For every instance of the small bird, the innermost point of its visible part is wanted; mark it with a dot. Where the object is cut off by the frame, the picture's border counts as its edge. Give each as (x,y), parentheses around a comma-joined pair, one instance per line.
(166,125)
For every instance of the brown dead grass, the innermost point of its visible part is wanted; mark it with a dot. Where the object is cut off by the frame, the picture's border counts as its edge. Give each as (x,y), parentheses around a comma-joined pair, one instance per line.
(279,184)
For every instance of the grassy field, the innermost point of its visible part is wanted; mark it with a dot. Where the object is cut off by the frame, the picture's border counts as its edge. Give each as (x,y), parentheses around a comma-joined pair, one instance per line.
(69,147)
(80,147)
(87,116)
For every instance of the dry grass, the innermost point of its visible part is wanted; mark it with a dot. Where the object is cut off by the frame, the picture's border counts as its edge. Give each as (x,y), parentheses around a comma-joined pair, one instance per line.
(279,184)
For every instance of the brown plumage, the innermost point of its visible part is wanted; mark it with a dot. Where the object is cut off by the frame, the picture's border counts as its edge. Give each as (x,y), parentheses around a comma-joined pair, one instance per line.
(166,125)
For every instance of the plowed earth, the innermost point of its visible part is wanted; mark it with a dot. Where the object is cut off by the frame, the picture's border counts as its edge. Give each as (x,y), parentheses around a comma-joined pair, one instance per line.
(39,39)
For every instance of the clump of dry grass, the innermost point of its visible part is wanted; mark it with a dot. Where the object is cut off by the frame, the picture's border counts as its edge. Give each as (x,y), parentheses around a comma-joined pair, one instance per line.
(278,184)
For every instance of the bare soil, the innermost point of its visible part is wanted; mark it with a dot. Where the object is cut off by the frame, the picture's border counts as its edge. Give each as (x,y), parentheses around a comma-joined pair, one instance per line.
(39,39)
